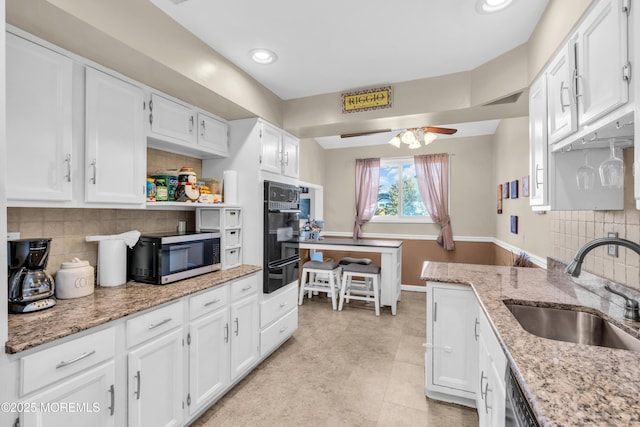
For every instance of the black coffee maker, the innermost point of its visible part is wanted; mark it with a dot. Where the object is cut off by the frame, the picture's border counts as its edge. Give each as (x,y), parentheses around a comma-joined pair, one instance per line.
(31,288)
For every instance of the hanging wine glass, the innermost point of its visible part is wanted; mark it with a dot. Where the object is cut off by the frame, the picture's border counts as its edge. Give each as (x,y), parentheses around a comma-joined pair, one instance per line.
(586,174)
(612,169)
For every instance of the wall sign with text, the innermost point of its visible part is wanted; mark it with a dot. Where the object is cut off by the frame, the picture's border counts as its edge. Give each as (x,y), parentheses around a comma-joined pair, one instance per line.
(366,100)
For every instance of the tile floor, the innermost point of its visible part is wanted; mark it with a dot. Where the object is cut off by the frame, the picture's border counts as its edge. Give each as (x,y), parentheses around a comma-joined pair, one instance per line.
(344,368)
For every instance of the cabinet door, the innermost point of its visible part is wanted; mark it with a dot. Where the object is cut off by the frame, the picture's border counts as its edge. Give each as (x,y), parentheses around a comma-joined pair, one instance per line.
(538,171)
(87,399)
(208,358)
(155,382)
(39,113)
(213,134)
(290,156)
(603,83)
(454,363)
(485,372)
(115,145)
(245,327)
(169,118)
(563,117)
(270,143)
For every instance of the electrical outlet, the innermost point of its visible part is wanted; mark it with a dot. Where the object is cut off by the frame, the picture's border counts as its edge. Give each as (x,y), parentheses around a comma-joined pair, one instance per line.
(13,235)
(612,250)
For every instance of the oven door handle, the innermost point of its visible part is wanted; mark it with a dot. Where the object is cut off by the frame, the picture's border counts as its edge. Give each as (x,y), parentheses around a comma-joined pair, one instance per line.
(285,210)
(280,265)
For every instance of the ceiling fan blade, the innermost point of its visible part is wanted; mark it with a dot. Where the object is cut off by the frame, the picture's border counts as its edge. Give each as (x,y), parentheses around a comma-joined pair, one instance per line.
(371,132)
(434,129)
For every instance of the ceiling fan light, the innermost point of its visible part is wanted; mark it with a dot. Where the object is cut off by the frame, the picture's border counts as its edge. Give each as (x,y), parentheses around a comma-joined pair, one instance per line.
(408,137)
(395,141)
(429,137)
(415,144)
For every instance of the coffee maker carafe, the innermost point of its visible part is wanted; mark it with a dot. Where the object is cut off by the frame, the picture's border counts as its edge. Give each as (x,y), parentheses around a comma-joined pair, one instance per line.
(31,288)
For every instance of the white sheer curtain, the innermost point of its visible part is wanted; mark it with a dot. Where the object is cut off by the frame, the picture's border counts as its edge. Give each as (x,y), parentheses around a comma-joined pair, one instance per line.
(432,174)
(367,181)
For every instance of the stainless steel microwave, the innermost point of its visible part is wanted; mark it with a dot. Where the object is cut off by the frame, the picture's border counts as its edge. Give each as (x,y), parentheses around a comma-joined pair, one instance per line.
(162,258)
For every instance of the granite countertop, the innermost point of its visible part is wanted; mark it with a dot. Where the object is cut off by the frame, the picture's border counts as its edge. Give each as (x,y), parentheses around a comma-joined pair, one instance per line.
(69,316)
(354,242)
(566,383)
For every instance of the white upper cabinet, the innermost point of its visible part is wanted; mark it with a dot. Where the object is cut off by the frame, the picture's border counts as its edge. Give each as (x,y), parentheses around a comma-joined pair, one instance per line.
(168,118)
(213,134)
(562,110)
(538,168)
(115,148)
(279,151)
(39,122)
(602,63)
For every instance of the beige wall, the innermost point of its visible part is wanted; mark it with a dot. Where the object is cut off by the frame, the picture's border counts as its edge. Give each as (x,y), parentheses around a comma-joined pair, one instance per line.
(512,162)
(312,162)
(571,230)
(472,191)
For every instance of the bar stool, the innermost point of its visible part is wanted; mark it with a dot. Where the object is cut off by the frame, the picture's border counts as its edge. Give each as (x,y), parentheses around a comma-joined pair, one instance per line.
(368,291)
(319,276)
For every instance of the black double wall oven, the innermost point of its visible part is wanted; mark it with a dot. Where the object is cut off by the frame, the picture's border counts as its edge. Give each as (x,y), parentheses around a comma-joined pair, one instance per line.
(281,234)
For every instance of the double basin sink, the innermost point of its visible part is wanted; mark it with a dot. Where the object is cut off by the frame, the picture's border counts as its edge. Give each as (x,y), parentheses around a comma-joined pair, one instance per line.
(573,326)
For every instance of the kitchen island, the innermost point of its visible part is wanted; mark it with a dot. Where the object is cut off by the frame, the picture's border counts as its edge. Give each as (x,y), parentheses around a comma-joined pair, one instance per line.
(390,259)
(565,383)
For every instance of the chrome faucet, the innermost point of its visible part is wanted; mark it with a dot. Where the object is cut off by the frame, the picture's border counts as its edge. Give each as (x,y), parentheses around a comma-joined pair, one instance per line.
(575,267)
(631,306)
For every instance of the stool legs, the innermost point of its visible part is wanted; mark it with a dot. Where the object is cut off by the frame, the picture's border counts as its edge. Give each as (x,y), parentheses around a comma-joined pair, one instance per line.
(371,291)
(314,281)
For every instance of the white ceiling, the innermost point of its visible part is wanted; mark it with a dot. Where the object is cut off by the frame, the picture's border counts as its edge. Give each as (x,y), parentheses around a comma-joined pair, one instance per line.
(337,45)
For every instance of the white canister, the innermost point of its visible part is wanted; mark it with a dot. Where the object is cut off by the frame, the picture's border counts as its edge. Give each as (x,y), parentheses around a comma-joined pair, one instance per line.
(74,279)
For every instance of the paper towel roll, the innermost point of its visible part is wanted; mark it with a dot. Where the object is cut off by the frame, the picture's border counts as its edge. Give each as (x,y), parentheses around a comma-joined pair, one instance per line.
(230,187)
(112,262)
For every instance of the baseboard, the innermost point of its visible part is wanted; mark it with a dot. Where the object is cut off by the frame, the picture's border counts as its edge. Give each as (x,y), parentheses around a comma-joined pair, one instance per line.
(413,288)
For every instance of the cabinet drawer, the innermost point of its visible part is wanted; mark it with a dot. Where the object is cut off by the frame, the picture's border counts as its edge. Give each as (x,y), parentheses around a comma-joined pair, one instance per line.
(232,257)
(208,302)
(45,367)
(232,237)
(278,332)
(243,287)
(231,218)
(208,219)
(277,305)
(154,323)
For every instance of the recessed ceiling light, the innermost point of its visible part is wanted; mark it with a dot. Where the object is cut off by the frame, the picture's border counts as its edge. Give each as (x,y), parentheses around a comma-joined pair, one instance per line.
(263,56)
(490,6)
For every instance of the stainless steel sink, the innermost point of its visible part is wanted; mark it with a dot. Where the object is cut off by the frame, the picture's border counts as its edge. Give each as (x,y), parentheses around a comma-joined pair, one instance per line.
(572,326)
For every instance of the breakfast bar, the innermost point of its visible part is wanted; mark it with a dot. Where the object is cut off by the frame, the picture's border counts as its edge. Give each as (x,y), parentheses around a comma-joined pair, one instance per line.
(390,261)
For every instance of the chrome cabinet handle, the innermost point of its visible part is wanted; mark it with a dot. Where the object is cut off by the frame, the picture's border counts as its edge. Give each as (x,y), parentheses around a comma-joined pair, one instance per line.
(286,158)
(137,391)
(482,377)
(112,392)
(74,360)
(435,311)
(237,326)
(246,288)
(284,328)
(202,128)
(226,332)
(475,331)
(95,167)
(207,304)
(562,104)
(486,401)
(155,325)
(191,124)
(536,176)
(576,78)
(68,162)
(284,304)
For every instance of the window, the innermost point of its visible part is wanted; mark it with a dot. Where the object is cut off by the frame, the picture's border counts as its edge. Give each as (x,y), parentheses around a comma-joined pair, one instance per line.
(398,196)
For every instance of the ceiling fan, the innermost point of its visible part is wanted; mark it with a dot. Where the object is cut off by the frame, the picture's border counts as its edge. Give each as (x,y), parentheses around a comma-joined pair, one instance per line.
(413,137)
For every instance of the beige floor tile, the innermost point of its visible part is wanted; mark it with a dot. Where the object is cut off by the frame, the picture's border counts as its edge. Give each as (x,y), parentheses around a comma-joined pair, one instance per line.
(411,350)
(406,386)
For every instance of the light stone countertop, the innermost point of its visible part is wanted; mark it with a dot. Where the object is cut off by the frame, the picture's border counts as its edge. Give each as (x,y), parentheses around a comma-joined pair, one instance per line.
(567,384)
(68,316)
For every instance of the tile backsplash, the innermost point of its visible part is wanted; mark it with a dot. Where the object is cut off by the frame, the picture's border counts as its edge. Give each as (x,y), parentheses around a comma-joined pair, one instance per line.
(68,227)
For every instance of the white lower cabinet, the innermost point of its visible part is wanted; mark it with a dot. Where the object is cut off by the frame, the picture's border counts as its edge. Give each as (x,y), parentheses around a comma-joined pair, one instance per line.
(278,318)
(155,382)
(451,356)
(84,400)
(245,335)
(465,363)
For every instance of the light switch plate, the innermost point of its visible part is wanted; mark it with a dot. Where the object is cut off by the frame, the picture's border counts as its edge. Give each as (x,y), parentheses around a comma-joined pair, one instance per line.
(612,250)
(13,235)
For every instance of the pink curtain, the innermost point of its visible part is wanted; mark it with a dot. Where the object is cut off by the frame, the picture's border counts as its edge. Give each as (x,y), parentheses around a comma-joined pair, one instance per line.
(432,173)
(367,181)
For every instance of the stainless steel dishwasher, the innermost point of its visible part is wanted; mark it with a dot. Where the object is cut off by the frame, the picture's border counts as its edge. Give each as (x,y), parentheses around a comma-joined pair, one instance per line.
(518,412)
